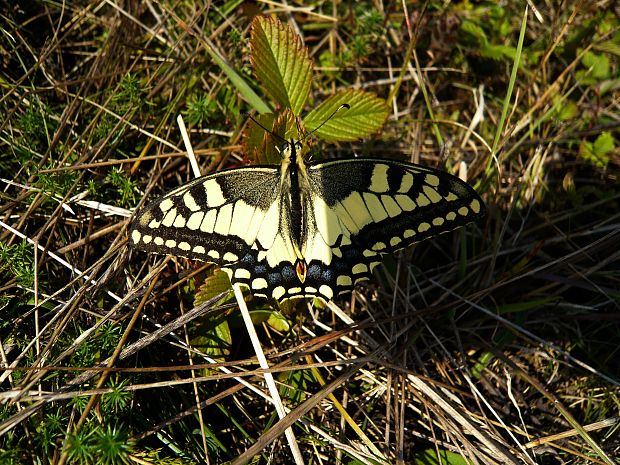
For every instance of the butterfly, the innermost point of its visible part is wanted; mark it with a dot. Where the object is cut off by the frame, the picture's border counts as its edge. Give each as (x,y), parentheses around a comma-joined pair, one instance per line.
(305,229)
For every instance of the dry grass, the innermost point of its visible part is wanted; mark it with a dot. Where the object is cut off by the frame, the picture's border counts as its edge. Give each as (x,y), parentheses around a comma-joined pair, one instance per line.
(495,343)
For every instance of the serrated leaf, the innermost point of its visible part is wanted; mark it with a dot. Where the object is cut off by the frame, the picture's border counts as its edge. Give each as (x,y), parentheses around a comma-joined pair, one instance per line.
(285,126)
(596,153)
(281,62)
(604,143)
(215,284)
(366,115)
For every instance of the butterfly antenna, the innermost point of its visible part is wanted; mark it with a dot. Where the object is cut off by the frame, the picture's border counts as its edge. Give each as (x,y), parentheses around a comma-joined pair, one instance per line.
(268,131)
(344,105)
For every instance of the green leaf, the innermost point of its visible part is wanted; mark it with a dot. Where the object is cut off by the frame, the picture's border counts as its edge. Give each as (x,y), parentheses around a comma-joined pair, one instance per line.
(213,336)
(272,317)
(235,78)
(296,384)
(609,46)
(199,109)
(497,52)
(604,143)
(366,115)
(608,85)
(566,110)
(598,65)
(434,457)
(474,32)
(214,285)
(281,62)
(597,152)
(285,126)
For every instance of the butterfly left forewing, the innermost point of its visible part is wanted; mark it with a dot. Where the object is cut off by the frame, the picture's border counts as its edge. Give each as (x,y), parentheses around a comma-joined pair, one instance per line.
(214,218)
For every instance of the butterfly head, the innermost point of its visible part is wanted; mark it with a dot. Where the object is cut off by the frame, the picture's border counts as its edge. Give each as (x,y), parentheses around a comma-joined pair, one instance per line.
(291,149)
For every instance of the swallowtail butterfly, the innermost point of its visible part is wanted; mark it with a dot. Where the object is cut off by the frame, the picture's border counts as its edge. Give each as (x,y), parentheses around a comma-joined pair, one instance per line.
(305,230)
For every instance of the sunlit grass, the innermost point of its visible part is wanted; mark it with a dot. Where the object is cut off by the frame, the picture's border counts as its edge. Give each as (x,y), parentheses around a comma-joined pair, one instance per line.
(498,342)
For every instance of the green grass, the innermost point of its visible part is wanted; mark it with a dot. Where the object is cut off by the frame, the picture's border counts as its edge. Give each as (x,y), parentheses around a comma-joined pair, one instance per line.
(498,342)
